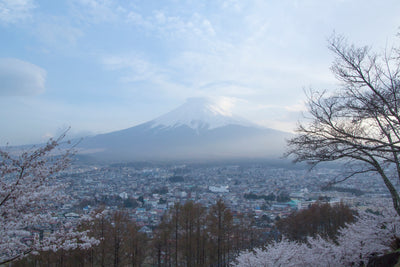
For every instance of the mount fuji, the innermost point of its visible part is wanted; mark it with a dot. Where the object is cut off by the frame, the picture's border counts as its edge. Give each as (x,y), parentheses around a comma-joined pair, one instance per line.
(197,130)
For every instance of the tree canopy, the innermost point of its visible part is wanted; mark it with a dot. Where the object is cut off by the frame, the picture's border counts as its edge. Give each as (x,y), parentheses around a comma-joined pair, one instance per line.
(29,197)
(358,124)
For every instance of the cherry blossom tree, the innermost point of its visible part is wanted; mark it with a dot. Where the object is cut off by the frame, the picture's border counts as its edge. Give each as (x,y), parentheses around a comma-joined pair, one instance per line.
(29,199)
(370,235)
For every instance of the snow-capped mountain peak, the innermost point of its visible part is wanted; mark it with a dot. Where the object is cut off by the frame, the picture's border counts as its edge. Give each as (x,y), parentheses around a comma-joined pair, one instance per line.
(199,113)
(199,129)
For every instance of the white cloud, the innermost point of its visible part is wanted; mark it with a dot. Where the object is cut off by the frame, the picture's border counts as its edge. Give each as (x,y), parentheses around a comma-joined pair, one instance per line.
(136,73)
(20,78)
(57,32)
(13,11)
(196,26)
(188,29)
(138,19)
(225,105)
(133,68)
(227,88)
(95,11)
(232,4)
(276,116)
(300,107)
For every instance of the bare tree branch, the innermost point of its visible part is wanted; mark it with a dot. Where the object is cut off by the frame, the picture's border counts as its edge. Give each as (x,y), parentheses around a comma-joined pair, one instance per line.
(360,122)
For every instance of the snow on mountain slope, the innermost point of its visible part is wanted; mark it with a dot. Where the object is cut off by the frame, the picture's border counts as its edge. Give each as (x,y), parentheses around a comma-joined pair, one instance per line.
(199,114)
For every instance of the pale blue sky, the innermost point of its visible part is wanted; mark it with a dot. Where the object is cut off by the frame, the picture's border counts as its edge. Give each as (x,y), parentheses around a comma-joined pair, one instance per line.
(104,65)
